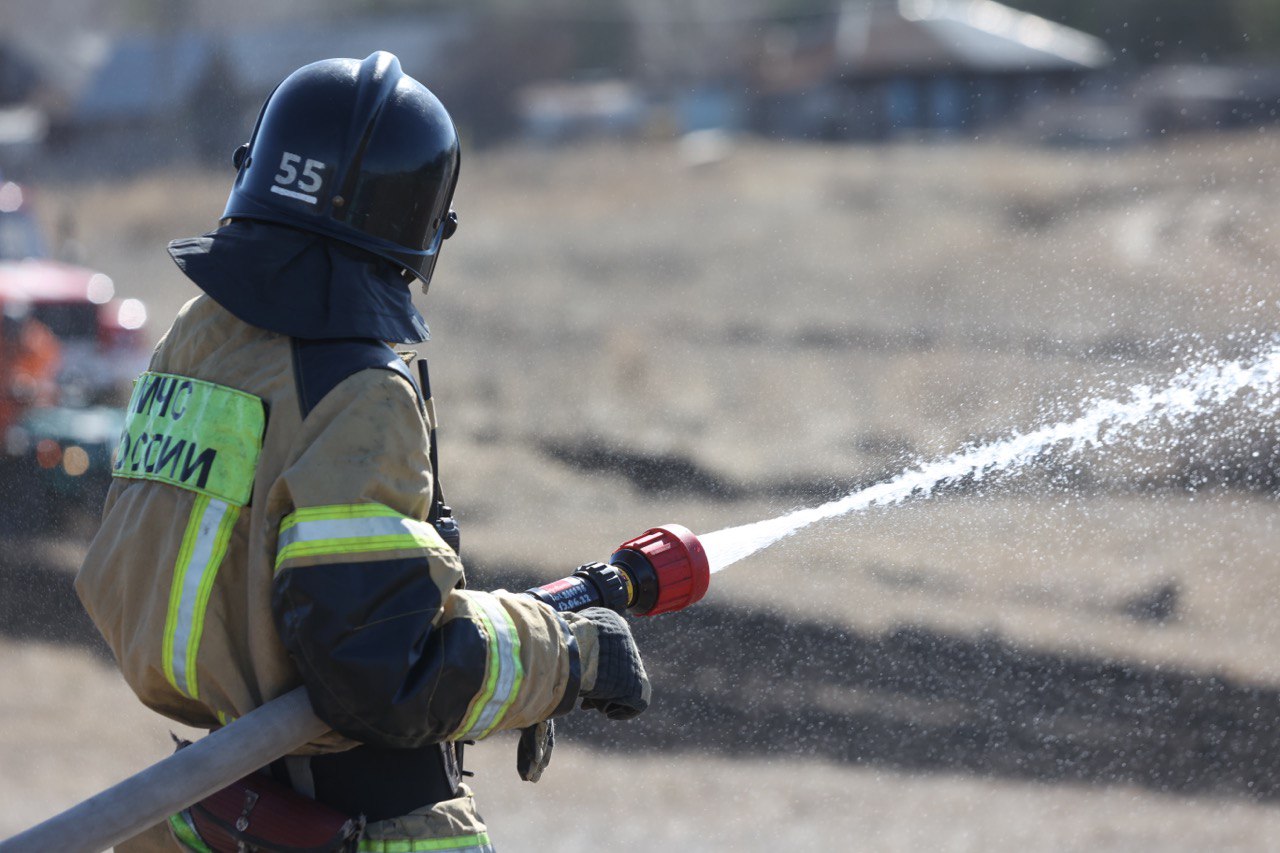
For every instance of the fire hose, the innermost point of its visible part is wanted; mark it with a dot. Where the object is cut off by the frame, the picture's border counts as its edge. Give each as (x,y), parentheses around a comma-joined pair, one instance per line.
(663,570)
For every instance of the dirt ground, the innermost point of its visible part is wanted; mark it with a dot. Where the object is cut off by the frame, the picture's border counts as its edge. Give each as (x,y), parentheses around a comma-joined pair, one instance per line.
(1083,661)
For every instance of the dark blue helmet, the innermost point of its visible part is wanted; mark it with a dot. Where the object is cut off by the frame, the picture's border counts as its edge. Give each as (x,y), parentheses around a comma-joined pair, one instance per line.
(357,151)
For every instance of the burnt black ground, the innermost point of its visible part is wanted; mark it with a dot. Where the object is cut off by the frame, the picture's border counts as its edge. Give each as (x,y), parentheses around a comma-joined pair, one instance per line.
(38,600)
(734,681)
(741,682)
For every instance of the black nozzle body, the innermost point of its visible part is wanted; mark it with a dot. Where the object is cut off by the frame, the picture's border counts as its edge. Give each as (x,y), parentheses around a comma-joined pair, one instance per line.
(644,580)
(591,585)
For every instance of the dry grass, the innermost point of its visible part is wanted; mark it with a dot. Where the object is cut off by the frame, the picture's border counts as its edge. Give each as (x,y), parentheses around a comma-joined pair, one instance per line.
(919,294)
(794,320)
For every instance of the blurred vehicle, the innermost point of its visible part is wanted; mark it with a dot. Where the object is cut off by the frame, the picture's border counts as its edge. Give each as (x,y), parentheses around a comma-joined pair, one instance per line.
(68,353)
(102,338)
(56,465)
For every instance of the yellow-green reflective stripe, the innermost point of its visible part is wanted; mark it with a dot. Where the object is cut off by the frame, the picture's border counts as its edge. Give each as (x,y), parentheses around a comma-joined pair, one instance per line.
(337,511)
(353,545)
(222,539)
(177,586)
(505,672)
(204,545)
(490,679)
(351,530)
(186,834)
(462,843)
(310,530)
(512,675)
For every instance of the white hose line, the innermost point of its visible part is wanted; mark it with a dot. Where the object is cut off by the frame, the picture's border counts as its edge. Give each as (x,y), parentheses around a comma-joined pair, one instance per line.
(189,775)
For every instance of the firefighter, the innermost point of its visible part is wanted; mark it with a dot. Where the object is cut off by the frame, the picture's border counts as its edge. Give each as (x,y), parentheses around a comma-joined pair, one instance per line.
(274,518)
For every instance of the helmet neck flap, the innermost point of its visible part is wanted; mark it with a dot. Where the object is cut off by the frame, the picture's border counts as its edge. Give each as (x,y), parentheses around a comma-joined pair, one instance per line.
(300,284)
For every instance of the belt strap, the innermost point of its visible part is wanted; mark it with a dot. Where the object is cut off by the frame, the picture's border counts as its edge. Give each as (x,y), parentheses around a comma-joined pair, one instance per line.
(377,782)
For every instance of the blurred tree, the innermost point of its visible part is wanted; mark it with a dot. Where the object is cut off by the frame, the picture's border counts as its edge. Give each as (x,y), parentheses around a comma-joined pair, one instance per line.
(783,10)
(482,93)
(19,76)
(1144,31)
(161,15)
(597,32)
(1260,22)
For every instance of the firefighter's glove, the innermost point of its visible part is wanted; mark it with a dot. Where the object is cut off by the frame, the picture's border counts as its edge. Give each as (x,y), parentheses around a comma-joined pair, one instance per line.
(533,753)
(621,688)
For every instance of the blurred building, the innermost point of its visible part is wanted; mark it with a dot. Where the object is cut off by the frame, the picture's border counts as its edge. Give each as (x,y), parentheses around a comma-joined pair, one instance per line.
(23,116)
(103,96)
(1179,98)
(557,111)
(159,96)
(886,67)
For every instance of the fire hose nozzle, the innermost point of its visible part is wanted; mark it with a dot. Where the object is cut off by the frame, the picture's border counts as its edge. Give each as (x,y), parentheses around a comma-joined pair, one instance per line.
(662,570)
(668,566)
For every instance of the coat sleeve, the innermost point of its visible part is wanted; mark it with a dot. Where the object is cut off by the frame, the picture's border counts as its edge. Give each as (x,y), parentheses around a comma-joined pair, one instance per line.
(366,594)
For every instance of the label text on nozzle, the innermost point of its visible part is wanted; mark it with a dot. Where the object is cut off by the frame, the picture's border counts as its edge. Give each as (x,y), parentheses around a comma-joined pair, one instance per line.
(593,584)
(566,594)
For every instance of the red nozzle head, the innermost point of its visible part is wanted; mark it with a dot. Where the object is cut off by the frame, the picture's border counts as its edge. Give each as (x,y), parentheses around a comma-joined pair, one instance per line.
(679,564)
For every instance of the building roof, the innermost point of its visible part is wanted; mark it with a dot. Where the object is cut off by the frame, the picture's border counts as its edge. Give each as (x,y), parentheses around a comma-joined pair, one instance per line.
(145,75)
(263,57)
(932,36)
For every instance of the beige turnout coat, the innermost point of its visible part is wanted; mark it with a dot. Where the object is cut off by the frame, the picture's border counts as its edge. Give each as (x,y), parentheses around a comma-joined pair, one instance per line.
(244,527)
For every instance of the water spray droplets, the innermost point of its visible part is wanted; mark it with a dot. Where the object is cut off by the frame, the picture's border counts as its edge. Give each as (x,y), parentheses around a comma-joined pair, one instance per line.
(1192,391)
